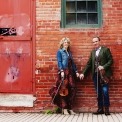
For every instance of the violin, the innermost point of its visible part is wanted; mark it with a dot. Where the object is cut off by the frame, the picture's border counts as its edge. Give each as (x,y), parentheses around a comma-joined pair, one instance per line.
(63,89)
(104,78)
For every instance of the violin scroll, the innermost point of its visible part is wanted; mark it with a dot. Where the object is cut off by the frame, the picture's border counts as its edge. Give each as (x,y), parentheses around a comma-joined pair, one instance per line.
(103,76)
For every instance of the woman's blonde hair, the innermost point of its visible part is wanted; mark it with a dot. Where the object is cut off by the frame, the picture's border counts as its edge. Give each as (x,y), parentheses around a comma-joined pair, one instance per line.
(62,42)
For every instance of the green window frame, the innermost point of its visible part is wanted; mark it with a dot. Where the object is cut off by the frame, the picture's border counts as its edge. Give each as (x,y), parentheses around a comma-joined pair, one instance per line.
(81,13)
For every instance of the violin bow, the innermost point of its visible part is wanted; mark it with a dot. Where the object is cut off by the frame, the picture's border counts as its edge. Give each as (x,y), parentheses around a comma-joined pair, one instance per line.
(97,77)
(62,79)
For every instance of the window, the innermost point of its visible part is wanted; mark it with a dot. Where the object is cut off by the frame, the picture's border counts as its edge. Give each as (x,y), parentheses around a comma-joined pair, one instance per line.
(8,32)
(81,13)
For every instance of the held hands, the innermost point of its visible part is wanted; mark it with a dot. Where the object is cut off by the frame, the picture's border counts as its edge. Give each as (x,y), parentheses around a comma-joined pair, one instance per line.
(77,74)
(99,68)
(62,74)
(82,76)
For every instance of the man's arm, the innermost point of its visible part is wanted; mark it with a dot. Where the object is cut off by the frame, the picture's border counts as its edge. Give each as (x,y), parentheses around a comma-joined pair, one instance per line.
(109,59)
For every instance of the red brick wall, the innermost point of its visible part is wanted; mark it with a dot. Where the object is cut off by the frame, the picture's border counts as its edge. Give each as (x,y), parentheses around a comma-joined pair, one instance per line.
(48,35)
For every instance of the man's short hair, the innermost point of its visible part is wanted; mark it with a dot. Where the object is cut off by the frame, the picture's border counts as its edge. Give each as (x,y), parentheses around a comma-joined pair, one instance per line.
(97,37)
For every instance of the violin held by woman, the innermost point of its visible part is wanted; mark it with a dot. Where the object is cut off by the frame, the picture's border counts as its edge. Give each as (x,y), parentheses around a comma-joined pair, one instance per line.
(64,87)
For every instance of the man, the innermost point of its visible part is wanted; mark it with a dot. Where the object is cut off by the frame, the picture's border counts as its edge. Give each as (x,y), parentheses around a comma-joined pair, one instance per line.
(100,60)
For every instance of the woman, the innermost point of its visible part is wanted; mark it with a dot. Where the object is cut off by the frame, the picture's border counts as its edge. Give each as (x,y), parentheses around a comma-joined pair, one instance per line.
(64,92)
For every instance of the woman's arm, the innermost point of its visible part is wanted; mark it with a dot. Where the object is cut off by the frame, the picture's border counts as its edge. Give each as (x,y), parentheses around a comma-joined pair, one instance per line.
(59,61)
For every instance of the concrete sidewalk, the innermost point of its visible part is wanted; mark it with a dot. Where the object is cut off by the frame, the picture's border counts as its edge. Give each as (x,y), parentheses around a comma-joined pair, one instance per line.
(38,117)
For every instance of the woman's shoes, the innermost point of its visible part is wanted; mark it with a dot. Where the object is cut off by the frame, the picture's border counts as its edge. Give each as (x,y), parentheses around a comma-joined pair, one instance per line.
(68,112)
(72,112)
(65,112)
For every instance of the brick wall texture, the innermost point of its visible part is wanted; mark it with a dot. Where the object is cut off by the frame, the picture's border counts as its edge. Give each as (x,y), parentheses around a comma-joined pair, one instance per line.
(48,35)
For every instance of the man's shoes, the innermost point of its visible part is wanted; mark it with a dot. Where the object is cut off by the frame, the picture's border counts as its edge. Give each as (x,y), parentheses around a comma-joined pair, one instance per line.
(107,111)
(99,111)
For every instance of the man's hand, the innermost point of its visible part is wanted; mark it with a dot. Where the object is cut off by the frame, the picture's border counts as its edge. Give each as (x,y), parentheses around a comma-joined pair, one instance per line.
(100,67)
(82,76)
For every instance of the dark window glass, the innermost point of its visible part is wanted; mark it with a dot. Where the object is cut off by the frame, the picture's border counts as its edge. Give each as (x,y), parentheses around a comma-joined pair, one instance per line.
(92,6)
(70,7)
(92,18)
(81,19)
(70,19)
(81,6)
